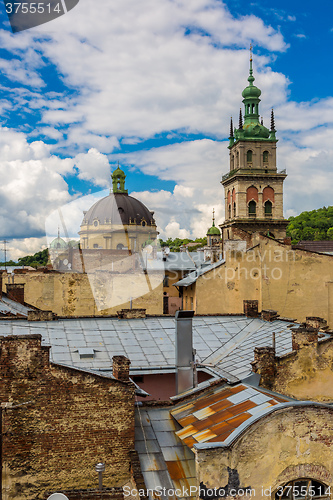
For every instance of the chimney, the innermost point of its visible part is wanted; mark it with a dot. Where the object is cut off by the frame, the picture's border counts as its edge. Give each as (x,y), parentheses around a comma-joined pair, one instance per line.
(251,308)
(15,291)
(184,351)
(120,368)
(269,315)
(316,322)
(264,365)
(303,336)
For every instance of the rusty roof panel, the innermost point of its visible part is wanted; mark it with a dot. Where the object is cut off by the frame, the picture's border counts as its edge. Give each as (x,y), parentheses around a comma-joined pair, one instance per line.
(189,430)
(203,424)
(204,436)
(239,419)
(221,437)
(187,420)
(221,405)
(189,441)
(244,406)
(204,413)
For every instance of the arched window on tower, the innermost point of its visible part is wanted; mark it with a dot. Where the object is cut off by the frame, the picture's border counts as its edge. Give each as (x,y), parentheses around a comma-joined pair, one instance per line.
(268,208)
(265,156)
(249,156)
(252,208)
(229,211)
(234,209)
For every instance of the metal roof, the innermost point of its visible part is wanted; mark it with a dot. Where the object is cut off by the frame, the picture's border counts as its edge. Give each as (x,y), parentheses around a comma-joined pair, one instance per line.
(194,275)
(222,412)
(183,261)
(12,307)
(227,342)
(166,462)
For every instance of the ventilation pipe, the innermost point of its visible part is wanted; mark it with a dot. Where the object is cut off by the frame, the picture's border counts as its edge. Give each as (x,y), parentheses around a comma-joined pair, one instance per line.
(185,365)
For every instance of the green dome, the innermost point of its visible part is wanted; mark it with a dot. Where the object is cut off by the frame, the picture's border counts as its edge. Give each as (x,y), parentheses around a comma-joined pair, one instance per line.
(255,130)
(251,92)
(58,243)
(213,230)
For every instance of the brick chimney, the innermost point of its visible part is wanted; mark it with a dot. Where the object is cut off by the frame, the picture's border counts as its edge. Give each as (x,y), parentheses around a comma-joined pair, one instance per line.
(303,336)
(251,308)
(120,368)
(316,322)
(15,291)
(264,365)
(269,315)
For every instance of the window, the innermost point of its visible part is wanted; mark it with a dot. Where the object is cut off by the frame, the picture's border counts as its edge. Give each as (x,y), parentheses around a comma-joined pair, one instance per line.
(95,245)
(229,210)
(143,223)
(234,209)
(268,208)
(265,156)
(249,156)
(166,281)
(252,208)
(95,223)
(302,489)
(120,246)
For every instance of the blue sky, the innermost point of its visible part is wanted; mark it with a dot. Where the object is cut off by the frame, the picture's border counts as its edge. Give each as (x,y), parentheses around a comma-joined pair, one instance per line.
(153,85)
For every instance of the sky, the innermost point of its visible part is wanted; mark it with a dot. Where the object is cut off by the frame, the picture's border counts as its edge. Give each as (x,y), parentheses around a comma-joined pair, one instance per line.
(153,84)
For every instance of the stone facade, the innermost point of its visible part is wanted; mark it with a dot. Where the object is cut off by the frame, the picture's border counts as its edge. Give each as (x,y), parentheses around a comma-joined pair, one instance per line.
(58,422)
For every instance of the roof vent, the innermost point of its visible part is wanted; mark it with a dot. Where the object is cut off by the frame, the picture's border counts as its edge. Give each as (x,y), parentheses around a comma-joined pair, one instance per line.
(86,352)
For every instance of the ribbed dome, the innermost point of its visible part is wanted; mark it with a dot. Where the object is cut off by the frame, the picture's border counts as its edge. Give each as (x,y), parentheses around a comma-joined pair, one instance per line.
(108,209)
(58,243)
(251,92)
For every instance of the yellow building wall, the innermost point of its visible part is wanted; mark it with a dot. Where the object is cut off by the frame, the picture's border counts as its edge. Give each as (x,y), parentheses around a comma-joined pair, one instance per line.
(295,283)
(286,445)
(70,294)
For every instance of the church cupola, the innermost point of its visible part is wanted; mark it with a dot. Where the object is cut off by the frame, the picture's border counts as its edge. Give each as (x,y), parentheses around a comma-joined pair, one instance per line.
(118,181)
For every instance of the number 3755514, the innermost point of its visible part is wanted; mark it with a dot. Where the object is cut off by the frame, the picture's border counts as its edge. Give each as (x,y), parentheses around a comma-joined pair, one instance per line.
(32,8)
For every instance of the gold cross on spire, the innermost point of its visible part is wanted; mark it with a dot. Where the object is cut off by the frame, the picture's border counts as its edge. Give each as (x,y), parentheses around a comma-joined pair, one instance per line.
(251,47)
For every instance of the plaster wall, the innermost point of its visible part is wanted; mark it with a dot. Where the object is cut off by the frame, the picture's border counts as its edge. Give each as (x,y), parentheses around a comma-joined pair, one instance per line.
(286,445)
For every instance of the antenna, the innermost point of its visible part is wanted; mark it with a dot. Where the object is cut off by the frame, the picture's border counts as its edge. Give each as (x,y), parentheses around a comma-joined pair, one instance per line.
(5,251)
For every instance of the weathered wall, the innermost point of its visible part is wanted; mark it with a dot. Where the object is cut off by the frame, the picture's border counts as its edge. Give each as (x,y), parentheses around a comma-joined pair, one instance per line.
(70,294)
(286,445)
(295,283)
(62,423)
(307,373)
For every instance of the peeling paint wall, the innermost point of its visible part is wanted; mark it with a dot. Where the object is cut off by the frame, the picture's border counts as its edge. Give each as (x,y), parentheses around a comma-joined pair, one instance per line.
(70,294)
(295,283)
(286,445)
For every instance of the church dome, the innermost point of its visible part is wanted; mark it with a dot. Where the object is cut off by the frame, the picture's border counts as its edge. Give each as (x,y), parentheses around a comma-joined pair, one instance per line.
(58,243)
(255,130)
(108,209)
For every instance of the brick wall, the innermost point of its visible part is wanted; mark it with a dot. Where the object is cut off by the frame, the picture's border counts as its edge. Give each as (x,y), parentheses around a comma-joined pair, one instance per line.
(58,422)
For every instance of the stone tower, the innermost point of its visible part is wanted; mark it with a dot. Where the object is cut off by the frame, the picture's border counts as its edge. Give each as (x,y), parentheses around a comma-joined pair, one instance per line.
(253,187)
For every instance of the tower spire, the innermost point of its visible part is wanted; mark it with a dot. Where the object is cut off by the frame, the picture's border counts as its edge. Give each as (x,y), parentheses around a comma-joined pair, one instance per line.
(272,121)
(231,128)
(213,217)
(240,125)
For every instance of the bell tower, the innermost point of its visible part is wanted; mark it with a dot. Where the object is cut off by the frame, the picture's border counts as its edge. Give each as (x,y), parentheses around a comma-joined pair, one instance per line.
(253,188)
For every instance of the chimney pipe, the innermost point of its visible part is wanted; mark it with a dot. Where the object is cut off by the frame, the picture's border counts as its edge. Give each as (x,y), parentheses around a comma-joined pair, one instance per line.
(184,351)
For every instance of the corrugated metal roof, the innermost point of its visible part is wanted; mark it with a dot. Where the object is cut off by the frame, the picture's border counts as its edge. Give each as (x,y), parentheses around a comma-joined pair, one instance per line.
(10,306)
(226,341)
(165,461)
(218,413)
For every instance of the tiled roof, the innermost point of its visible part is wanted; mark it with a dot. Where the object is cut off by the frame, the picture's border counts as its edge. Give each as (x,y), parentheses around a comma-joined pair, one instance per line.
(214,416)
(165,460)
(227,342)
